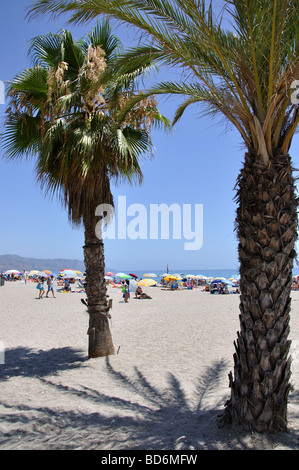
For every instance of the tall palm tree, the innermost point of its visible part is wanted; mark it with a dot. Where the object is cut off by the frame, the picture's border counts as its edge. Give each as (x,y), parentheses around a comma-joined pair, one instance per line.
(248,75)
(65,112)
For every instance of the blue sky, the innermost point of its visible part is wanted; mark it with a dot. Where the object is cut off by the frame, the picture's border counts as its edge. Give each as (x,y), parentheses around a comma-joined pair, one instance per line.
(197,164)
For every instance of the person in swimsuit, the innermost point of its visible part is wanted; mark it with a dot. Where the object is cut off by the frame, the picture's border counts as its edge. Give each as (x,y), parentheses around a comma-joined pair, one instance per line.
(50,283)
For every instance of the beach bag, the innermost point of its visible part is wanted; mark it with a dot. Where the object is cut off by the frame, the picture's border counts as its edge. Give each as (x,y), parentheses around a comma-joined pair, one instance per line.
(40,286)
(124,289)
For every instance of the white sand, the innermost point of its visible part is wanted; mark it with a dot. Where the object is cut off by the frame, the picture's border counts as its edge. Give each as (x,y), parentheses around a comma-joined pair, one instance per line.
(162,391)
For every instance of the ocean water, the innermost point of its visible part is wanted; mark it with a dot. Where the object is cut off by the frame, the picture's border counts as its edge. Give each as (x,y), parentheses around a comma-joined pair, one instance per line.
(227,273)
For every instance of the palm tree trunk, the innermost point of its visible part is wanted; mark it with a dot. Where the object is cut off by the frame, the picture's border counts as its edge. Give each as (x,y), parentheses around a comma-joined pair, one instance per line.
(267,231)
(100,338)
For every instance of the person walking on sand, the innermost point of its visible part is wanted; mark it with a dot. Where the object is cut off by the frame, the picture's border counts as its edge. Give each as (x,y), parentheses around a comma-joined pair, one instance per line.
(24,277)
(50,283)
(126,291)
(40,287)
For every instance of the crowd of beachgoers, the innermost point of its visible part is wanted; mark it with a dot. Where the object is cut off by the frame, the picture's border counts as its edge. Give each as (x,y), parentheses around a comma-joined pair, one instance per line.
(74,281)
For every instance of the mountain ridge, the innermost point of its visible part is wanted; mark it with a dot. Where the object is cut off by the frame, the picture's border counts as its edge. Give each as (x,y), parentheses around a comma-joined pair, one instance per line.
(12,261)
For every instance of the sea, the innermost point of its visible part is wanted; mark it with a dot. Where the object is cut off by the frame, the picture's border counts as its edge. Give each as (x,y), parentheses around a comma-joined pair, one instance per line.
(227,273)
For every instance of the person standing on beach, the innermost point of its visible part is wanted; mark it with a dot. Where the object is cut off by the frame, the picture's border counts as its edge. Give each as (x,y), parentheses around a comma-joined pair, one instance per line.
(126,291)
(40,287)
(127,294)
(24,277)
(50,283)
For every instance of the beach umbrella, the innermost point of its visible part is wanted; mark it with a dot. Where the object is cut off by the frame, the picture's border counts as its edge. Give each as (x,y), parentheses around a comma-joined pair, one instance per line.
(68,273)
(133,285)
(46,271)
(170,278)
(109,274)
(147,282)
(123,275)
(33,273)
(189,276)
(150,275)
(68,270)
(133,275)
(42,274)
(12,271)
(164,275)
(220,280)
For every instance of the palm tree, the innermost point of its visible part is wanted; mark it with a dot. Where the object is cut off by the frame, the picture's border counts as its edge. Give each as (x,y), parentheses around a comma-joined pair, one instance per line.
(248,75)
(65,111)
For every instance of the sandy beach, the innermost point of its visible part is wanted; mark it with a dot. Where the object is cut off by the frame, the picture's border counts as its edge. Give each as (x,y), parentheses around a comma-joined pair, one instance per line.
(163,390)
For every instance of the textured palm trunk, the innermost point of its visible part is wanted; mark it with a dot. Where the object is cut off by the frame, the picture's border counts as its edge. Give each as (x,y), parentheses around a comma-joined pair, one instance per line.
(100,338)
(267,230)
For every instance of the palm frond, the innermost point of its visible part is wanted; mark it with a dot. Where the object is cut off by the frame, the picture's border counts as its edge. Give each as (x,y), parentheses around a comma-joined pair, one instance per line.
(21,136)
(65,111)
(251,61)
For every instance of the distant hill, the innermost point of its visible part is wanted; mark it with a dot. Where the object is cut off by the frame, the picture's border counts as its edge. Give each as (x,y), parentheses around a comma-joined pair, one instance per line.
(20,263)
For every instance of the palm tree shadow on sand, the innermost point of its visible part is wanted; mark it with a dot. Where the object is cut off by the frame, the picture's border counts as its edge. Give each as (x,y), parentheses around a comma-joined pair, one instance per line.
(23,361)
(140,417)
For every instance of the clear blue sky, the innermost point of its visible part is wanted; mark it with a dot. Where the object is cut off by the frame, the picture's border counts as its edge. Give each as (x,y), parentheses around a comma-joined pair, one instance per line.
(197,164)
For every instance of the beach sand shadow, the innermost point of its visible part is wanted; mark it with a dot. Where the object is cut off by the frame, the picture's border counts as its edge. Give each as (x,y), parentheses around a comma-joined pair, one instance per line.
(142,418)
(28,362)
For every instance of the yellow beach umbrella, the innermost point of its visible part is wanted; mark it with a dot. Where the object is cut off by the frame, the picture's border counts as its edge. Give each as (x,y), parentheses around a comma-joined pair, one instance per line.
(170,278)
(146,282)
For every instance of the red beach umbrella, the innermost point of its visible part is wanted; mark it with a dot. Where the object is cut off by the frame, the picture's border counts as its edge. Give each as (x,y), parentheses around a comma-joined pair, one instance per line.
(133,275)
